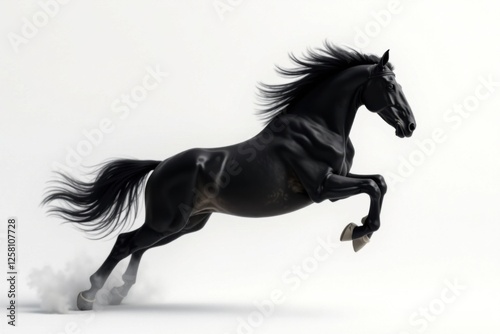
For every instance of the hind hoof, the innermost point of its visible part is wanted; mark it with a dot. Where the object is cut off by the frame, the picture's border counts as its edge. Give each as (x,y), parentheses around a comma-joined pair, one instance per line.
(83,303)
(115,297)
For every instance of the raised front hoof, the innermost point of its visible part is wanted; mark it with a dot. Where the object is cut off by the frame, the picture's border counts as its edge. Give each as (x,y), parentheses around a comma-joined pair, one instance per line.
(347,232)
(359,243)
(115,297)
(83,303)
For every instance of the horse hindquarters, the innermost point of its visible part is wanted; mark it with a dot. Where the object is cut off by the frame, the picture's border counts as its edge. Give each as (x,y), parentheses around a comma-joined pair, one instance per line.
(169,205)
(170,192)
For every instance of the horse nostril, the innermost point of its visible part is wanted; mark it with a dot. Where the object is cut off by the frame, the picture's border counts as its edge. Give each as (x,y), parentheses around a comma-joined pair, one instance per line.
(411,127)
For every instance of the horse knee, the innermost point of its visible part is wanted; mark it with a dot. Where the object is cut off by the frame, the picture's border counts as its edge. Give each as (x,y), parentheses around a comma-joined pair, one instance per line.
(372,188)
(379,179)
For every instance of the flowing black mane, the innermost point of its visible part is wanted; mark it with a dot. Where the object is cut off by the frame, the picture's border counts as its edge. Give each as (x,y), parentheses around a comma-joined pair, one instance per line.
(315,66)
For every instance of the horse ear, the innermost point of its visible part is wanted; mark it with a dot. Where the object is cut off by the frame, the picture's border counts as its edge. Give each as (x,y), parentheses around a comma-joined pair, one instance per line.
(383,60)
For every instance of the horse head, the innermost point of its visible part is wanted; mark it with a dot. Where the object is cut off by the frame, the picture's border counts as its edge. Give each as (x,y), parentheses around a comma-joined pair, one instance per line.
(384,96)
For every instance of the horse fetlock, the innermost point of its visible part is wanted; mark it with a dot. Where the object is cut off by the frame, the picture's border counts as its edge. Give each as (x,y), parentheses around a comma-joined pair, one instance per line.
(373,225)
(129,279)
(96,281)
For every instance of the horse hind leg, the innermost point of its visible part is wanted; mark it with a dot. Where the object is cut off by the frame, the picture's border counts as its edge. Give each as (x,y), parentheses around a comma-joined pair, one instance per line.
(129,277)
(125,244)
(117,294)
(194,224)
(165,216)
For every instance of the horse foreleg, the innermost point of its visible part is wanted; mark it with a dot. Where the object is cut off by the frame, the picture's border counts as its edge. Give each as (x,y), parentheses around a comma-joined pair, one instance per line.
(340,187)
(380,181)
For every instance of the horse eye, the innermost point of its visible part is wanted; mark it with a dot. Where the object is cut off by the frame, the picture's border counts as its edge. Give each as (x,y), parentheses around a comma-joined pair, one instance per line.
(390,86)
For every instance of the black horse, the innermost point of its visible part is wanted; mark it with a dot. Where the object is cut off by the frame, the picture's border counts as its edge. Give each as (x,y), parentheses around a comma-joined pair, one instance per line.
(302,156)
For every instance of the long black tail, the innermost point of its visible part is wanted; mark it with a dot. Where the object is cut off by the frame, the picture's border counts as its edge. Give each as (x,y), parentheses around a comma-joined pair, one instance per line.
(102,206)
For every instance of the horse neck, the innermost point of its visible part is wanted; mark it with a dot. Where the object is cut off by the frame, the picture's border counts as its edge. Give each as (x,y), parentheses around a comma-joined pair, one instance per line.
(335,102)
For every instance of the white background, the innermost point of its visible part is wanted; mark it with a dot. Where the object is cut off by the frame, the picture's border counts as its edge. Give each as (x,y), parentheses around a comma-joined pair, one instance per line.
(440,216)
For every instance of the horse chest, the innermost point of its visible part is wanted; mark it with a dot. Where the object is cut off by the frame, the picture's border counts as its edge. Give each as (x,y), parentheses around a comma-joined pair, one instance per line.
(334,151)
(325,147)
(340,160)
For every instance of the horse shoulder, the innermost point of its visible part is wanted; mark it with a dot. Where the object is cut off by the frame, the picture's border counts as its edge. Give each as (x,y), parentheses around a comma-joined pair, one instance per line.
(303,167)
